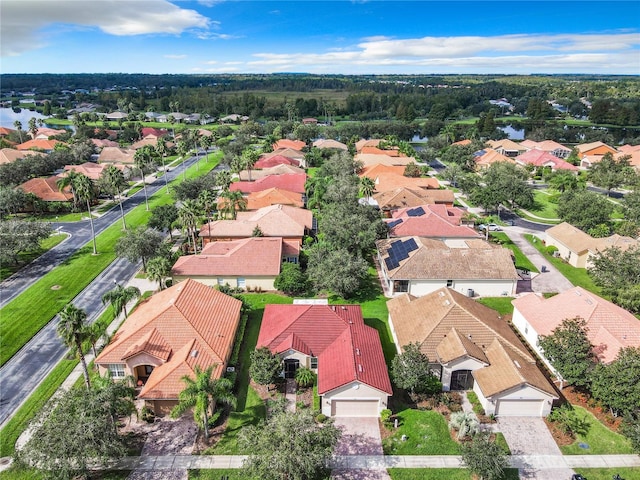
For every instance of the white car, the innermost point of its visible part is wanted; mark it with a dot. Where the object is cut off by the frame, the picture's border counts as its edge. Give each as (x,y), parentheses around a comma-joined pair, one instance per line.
(492,227)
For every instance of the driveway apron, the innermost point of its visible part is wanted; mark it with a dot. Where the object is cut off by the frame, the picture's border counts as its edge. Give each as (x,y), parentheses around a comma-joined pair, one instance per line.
(360,436)
(530,436)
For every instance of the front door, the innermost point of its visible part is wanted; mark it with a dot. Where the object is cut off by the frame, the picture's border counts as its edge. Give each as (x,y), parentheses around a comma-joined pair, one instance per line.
(290,367)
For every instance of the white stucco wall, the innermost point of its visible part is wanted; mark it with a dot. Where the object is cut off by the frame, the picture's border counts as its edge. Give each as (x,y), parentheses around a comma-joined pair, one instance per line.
(530,335)
(572,258)
(353,391)
(266,283)
(524,393)
(482,288)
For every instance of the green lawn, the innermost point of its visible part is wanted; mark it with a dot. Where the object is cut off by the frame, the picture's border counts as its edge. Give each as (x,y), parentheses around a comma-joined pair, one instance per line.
(543,206)
(577,276)
(600,439)
(627,473)
(427,434)
(250,408)
(217,474)
(15,473)
(443,474)
(522,261)
(26,257)
(58,287)
(502,305)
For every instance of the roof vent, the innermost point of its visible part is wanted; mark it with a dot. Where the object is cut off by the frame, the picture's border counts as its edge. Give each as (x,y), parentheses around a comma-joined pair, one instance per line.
(442,294)
(517,364)
(469,336)
(344,308)
(357,351)
(446,302)
(194,353)
(360,367)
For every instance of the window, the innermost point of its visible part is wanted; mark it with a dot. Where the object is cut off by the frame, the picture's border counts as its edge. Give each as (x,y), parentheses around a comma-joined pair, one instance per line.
(291,259)
(314,363)
(401,286)
(148,369)
(241,282)
(116,370)
(220,281)
(449,283)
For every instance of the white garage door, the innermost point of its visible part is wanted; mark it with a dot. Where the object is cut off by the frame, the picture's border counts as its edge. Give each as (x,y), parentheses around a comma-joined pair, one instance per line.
(354,408)
(519,408)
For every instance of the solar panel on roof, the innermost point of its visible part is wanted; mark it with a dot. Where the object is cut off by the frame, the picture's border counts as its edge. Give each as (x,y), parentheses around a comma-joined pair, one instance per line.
(390,263)
(416,212)
(479,153)
(411,245)
(394,223)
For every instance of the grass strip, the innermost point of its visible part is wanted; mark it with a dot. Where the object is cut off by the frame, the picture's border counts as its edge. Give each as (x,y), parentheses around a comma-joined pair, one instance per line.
(19,321)
(522,261)
(578,276)
(502,305)
(600,439)
(440,474)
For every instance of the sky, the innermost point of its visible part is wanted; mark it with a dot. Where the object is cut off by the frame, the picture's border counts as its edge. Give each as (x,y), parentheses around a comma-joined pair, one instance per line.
(323,37)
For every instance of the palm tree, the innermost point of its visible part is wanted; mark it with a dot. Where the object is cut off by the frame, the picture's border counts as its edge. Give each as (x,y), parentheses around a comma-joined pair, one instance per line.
(143,161)
(249,159)
(201,394)
(18,125)
(183,151)
(367,187)
(234,201)
(194,136)
(158,268)
(33,127)
(84,190)
(162,150)
(207,200)
(223,179)
(119,297)
(188,217)
(68,181)
(72,329)
(113,182)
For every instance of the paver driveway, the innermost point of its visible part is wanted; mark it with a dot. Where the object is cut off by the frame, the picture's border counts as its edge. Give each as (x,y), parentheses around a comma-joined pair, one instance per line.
(530,436)
(360,436)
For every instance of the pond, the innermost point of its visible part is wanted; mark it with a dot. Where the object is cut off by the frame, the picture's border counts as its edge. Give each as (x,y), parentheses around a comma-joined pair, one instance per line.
(512,132)
(8,117)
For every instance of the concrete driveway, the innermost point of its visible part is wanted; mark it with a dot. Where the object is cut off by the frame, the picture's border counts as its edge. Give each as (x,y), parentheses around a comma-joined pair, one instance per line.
(360,436)
(530,436)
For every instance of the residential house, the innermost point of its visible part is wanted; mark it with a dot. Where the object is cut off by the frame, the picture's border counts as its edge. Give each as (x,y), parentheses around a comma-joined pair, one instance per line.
(484,158)
(270,161)
(577,248)
(411,197)
(387,180)
(100,143)
(4,131)
(148,141)
(115,116)
(290,181)
(46,146)
(430,221)
(44,133)
(609,327)
(507,147)
(462,143)
(290,223)
(362,143)
(632,156)
(154,132)
(234,118)
(420,266)
(542,159)
(186,326)
(93,170)
(472,347)
(591,153)
(309,121)
(334,342)
(273,196)
(281,169)
(10,155)
(369,159)
(251,263)
(330,144)
(117,155)
(554,148)
(287,143)
(46,189)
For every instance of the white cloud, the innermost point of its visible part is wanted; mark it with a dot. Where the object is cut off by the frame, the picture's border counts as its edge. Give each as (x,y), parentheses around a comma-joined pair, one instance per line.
(23,21)
(175,57)
(606,53)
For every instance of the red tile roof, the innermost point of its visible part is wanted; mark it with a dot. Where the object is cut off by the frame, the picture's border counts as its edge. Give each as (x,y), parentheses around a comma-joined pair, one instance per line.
(273,196)
(6,131)
(272,161)
(249,257)
(347,349)
(156,132)
(428,223)
(286,143)
(90,169)
(540,158)
(189,324)
(8,155)
(47,189)
(46,145)
(291,181)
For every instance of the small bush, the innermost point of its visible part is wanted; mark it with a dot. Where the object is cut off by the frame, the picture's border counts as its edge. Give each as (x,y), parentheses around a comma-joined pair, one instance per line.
(321,418)
(147,415)
(478,410)
(472,397)
(551,250)
(455,407)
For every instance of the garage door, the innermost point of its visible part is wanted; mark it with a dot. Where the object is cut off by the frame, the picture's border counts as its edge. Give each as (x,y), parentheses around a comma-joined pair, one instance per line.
(519,408)
(354,408)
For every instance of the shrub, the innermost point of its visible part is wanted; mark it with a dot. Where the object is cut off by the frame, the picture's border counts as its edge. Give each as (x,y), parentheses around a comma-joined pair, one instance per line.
(147,415)
(551,250)
(567,420)
(472,397)
(477,408)
(305,377)
(321,418)
(466,424)
(385,417)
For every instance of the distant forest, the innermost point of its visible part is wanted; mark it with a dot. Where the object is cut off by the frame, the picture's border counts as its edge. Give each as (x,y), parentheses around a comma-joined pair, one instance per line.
(611,100)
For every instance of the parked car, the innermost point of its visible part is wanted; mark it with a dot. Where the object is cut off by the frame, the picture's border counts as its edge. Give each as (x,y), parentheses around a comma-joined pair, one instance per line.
(492,227)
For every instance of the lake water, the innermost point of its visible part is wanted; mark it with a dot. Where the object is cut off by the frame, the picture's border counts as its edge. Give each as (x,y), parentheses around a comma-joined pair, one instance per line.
(8,117)
(513,133)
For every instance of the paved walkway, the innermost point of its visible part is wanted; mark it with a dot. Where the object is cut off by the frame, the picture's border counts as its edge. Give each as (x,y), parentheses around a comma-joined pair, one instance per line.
(360,437)
(290,394)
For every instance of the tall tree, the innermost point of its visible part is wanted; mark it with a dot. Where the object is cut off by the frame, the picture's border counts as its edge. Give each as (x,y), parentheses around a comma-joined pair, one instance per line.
(72,329)
(163,217)
(367,187)
(234,202)
(119,297)
(410,371)
(584,209)
(112,181)
(139,244)
(610,173)
(201,394)
(484,458)
(207,200)
(189,217)
(289,446)
(162,150)
(249,158)
(144,163)
(563,180)
(570,352)
(33,127)
(158,268)
(617,385)
(18,125)
(265,366)
(20,236)
(84,190)
(617,271)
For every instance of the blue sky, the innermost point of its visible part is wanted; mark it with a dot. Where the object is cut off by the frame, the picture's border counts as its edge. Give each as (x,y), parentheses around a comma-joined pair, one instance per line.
(339,36)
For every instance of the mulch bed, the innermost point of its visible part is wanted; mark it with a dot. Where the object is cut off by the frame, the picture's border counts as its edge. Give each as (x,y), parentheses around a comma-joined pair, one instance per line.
(558,435)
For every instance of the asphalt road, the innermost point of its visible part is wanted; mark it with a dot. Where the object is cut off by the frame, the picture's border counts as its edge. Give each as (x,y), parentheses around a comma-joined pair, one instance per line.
(29,366)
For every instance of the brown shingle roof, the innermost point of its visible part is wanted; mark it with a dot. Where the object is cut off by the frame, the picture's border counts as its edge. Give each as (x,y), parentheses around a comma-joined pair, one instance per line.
(334,144)
(8,155)
(573,238)
(116,155)
(410,197)
(433,259)
(455,346)
(281,169)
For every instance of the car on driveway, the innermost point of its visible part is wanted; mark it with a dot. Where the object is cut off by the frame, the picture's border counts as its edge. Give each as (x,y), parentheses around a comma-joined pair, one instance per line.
(492,227)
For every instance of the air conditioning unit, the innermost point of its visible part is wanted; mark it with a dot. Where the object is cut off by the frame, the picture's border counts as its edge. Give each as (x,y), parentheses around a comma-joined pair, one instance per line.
(231,369)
